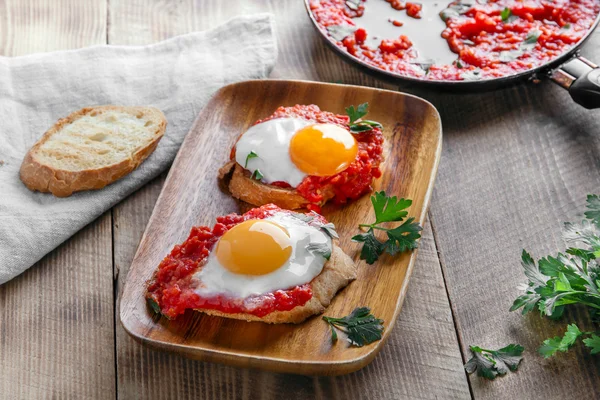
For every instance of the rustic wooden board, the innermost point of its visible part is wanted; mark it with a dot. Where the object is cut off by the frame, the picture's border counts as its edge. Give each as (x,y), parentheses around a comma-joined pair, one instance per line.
(56,319)
(516,164)
(191,197)
(422,357)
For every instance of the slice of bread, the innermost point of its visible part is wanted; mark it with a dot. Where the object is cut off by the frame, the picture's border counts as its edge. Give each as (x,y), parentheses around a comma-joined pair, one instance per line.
(92,148)
(337,273)
(243,187)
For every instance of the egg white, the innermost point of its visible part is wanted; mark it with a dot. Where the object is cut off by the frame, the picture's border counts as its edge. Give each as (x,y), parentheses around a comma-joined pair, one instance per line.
(270,140)
(302,266)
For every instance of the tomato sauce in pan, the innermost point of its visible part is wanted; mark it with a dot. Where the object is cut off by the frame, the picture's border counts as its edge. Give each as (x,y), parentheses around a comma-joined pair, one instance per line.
(462,40)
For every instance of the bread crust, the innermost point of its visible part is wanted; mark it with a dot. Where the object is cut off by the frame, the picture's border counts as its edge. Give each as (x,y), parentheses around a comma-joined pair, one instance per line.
(337,273)
(243,187)
(62,183)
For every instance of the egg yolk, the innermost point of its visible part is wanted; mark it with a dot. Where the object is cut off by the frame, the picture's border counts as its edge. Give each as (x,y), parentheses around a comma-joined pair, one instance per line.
(254,247)
(323,149)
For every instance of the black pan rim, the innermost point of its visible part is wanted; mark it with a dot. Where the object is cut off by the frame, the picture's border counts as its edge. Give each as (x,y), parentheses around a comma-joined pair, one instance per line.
(538,71)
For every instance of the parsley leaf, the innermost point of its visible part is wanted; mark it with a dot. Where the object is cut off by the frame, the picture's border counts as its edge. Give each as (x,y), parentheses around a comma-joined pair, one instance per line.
(555,283)
(593,342)
(339,32)
(532,37)
(303,217)
(361,327)
(491,363)
(249,157)
(257,175)
(356,124)
(505,14)
(528,43)
(593,205)
(552,345)
(403,238)
(389,209)
(471,75)
(357,113)
(322,249)
(153,305)
(372,247)
(353,4)
(400,239)
(456,9)
(329,229)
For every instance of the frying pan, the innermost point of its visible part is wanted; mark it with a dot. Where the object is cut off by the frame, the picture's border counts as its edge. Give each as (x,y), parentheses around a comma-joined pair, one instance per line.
(578,75)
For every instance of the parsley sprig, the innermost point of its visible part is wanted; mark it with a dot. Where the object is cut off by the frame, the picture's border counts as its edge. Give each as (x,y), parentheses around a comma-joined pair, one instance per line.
(361,327)
(257,175)
(249,157)
(153,306)
(400,239)
(358,125)
(491,363)
(322,249)
(567,279)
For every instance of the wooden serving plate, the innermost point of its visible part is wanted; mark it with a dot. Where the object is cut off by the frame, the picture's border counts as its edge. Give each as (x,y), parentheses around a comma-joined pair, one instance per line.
(192,196)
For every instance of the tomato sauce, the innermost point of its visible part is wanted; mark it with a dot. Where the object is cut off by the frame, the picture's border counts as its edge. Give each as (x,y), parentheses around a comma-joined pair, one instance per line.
(355,180)
(491,38)
(172,286)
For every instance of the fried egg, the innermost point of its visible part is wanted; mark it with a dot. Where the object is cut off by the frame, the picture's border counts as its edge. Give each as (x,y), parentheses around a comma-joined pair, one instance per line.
(261,256)
(289,149)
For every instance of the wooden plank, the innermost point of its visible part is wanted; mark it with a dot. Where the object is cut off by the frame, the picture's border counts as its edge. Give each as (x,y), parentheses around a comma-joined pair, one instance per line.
(30,26)
(56,319)
(516,164)
(421,359)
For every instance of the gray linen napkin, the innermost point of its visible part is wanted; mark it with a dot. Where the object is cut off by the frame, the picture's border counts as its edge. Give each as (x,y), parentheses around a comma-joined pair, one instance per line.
(178,76)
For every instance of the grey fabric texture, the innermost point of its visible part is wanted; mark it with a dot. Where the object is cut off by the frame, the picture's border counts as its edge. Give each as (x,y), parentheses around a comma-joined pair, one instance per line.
(178,76)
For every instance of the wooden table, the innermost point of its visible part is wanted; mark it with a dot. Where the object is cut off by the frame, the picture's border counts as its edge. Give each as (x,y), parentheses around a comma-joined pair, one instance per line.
(516,163)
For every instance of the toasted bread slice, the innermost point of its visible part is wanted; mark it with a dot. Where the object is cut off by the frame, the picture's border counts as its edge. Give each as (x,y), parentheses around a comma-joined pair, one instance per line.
(92,148)
(337,273)
(243,187)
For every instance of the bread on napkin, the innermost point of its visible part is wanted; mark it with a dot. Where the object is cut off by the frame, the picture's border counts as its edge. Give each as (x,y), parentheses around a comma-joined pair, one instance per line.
(92,148)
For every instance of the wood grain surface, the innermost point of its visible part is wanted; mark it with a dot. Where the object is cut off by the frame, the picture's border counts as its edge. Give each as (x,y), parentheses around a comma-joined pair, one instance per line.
(412,147)
(56,319)
(516,163)
(530,157)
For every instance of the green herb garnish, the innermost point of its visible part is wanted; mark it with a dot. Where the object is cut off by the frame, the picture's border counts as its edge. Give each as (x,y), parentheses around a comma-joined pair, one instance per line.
(361,327)
(552,345)
(491,363)
(153,305)
(249,157)
(567,279)
(322,249)
(339,32)
(257,175)
(356,124)
(329,229)
(400,239)
(457,9)
(532,37)
(528,44)
(353,4)
(303,217)
(505,14)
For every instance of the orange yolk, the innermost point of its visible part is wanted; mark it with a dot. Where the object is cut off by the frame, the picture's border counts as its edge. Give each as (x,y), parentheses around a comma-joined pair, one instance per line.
(254,247)
(323,149)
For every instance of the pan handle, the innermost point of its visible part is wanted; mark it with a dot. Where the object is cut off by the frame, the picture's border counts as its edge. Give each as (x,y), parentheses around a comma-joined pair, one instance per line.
(581,78)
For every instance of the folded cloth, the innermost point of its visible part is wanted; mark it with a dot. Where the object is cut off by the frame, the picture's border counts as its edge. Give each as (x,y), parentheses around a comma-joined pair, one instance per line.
(178,76)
